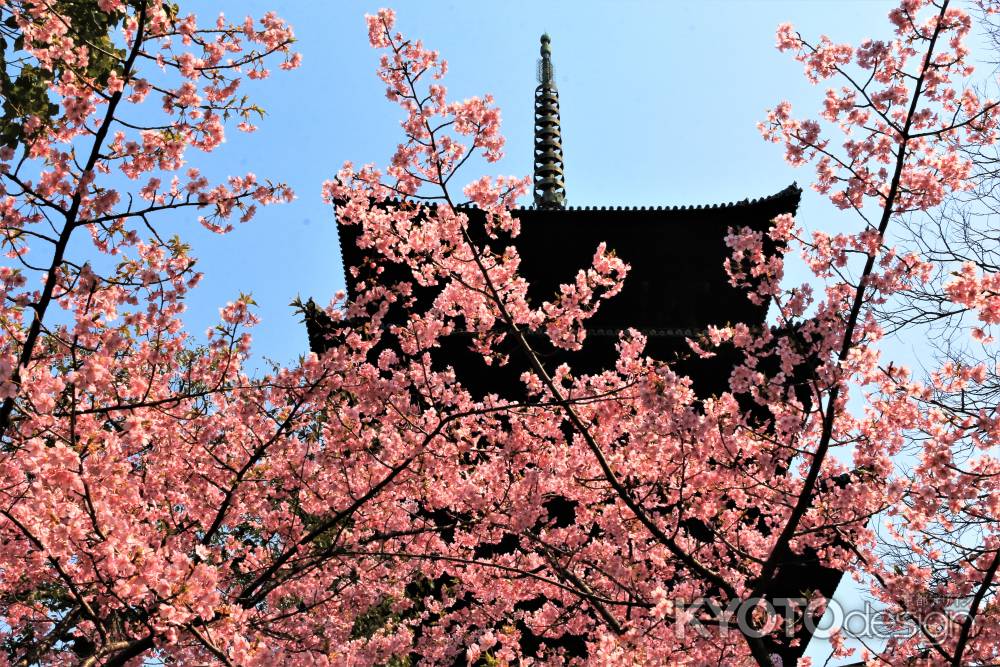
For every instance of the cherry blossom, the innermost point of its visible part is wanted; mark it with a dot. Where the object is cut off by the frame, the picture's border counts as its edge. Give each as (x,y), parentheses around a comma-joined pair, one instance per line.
(365,506)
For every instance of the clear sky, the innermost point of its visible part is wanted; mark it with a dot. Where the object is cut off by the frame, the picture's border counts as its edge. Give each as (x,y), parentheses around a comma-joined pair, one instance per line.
(659,100)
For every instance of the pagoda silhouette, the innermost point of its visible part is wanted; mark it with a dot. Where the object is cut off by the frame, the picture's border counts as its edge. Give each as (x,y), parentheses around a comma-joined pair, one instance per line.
(675,289)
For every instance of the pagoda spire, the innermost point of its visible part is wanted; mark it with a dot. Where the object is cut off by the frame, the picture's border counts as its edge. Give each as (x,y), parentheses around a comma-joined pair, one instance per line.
(549,187)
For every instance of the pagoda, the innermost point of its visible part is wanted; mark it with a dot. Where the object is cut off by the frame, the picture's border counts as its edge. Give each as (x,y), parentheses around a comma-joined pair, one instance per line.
(675,289)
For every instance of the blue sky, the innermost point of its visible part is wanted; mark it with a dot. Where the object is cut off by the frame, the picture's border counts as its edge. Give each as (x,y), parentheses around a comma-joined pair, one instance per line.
(659,101)
(659,105)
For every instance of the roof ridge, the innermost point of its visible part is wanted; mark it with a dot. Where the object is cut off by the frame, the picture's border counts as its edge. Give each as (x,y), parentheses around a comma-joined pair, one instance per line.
(792,190)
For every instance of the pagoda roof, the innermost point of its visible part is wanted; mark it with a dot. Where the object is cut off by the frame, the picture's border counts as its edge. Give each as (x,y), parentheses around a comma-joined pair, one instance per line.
(790,195)
(680,249)
(785,200)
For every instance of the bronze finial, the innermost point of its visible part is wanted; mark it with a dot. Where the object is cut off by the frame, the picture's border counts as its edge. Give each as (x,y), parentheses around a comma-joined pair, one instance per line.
(550,189)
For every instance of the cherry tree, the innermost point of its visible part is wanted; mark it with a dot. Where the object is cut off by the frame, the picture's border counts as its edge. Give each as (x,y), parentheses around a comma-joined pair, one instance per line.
(97,374)
(632,450)
(364,507)
(913,146)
